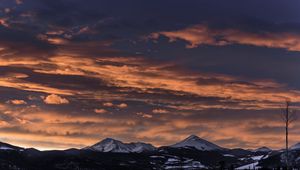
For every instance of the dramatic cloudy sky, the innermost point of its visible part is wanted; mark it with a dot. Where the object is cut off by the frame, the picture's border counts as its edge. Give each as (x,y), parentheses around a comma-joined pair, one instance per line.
(73,72)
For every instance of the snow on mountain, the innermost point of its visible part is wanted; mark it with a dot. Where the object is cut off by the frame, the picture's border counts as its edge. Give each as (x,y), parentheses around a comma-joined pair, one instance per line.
(198,143)
(263,149)
(112,145)
(141,147)
(5,146)
(295,147)
(248,166)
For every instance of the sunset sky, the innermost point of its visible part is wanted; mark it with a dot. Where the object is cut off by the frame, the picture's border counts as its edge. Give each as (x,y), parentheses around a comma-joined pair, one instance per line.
(73,72)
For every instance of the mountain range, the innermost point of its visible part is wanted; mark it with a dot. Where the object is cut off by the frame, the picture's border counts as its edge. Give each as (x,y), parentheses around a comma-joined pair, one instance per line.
(190,153)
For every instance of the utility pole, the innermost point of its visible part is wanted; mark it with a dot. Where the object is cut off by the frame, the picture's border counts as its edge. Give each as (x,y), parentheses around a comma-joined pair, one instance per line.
(288,116)
(287,135)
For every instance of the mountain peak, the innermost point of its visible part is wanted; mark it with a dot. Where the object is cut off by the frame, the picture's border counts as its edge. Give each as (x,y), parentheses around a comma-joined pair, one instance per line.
(263,149)
(193,137)
(113,145)
(106,140)
(198,143)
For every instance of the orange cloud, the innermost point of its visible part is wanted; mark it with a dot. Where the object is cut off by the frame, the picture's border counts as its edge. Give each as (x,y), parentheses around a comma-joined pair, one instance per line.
(39,126)
(17,83)
(17,102)
(122,105)
(203,35)
(160,111)
(108,104)
(55,99)
(144,115)
(53,40)
(101,111)
(3,22)
(144,77)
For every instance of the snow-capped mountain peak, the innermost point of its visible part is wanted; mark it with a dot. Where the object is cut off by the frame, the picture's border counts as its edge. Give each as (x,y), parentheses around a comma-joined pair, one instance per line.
(108,145)
(112,145)
(198,143)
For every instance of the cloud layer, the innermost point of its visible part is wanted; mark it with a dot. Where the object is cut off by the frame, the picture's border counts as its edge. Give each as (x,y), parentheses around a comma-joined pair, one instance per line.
(203,35)
(77,72)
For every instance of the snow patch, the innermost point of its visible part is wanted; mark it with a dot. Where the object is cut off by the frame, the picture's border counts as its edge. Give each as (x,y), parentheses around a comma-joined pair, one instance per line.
(228,155)
(5,148)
